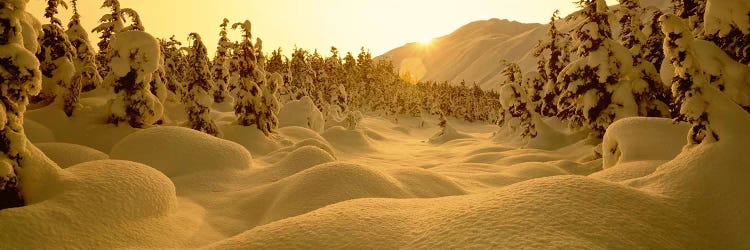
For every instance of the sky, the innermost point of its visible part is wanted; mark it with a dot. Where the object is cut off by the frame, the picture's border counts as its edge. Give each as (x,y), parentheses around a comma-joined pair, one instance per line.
(378,25)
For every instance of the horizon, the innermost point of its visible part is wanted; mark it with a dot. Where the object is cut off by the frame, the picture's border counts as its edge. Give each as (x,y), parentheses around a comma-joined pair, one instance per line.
(365,26)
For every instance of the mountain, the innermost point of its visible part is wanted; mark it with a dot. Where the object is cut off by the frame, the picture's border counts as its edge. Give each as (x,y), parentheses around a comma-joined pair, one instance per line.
(474,51)
(471,53)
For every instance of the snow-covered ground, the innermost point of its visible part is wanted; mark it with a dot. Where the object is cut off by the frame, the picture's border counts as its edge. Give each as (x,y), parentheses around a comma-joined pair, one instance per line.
(386,184)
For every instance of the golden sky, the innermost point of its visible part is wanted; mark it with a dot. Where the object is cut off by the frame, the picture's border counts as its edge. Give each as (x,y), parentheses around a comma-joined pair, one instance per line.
(379,25)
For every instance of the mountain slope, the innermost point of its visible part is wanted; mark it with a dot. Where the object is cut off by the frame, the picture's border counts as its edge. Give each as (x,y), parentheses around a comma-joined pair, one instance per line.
(470,53)
(474,51)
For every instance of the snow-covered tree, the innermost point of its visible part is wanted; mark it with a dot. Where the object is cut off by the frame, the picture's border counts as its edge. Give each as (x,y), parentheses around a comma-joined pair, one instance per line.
(247,101)
(727,24)
(654,52)
(220,66)
(135,57)
(20,78)
(199,85)
(87,71)
(651,96)
(552,56)
(302,74)
(56,58)
(689,81)
(135,20)
(596,91)
(515,102)
(269,115)
(693,11)
(174,63)
(109,25)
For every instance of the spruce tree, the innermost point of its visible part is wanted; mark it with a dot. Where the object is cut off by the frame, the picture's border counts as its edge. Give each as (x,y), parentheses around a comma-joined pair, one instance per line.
(109,25)
(220,66)
(515,101)
(199,86)
(20,78)
(87,71)
(174,63)
(552,56)
(597,89)
(247,101)
(651,96)
(689,81)
(135,58)
(56,58)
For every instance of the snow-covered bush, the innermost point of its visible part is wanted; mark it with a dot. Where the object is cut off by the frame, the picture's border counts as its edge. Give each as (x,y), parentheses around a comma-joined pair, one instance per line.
(20,78)
(199,85)
(135,57)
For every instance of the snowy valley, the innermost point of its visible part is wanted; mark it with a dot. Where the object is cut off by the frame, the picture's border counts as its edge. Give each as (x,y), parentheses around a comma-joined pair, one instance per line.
(557,139)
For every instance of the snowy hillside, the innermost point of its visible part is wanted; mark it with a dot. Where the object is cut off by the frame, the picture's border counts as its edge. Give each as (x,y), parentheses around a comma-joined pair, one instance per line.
(473,52)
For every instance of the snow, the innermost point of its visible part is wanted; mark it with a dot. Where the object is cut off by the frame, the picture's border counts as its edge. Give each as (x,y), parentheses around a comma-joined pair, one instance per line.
(178,151)
(302,113)
(66,154)
(382,181)
(641,138)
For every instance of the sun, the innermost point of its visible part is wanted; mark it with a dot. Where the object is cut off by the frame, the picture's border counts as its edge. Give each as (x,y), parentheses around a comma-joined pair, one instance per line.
(425,41)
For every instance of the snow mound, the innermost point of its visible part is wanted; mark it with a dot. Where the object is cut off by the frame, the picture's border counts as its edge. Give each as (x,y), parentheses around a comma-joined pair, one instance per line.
(303,192)
(448,134)
(178,151)
(36,132)
(302,113)
(296,133)
(348,140)
(642,138)
(711,178)
(66,154)
(426,184)
(99,204)
(565,212)
(303,157)
(251,138)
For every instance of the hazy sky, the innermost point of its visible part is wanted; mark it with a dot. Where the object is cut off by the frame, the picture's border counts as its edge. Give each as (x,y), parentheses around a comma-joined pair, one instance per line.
(379,25)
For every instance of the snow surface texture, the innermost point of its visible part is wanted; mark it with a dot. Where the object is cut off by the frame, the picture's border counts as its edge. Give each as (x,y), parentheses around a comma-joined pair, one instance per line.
(381,185)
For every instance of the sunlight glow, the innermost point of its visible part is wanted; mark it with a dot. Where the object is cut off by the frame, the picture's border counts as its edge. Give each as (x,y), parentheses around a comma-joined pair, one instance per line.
(425,41)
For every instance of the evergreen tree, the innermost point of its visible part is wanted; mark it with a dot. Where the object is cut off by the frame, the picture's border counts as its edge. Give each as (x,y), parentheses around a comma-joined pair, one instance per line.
(20,78)
(110,25)
(220,66)
(135,23)
(654,52)
(174,63)
(516,109)
(135,57)
(302,74)
(87,71)
(248,99)
(651,96)
(596,87)
(56,58)
(689,81)
(199,86)
(269,116)
(552,56)
(730,32)
(276,63)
